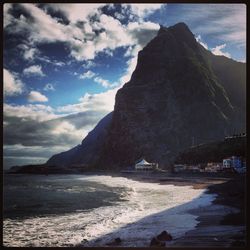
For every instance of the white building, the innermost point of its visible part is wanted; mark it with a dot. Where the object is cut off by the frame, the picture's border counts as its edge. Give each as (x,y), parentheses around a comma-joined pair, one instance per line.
(232,162)
(143,165)
(227,163)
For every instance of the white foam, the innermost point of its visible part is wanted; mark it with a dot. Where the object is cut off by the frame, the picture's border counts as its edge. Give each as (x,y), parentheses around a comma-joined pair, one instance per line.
(146,210)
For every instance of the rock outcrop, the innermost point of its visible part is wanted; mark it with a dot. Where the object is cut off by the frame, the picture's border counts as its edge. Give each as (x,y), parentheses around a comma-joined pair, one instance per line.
(160,240)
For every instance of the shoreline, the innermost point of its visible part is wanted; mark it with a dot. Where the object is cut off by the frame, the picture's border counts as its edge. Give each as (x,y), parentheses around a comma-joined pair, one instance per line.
(221,224)
(136,219)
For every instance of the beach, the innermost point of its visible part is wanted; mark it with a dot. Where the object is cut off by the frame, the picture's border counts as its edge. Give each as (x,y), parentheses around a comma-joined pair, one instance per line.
(223,222)
(195,210)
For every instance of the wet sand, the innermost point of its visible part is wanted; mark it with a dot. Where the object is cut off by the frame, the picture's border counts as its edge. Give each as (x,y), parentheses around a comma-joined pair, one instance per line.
(222,224)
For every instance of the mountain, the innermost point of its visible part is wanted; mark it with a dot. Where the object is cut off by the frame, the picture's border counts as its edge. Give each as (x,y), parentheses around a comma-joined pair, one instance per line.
(88,151)
(179,94)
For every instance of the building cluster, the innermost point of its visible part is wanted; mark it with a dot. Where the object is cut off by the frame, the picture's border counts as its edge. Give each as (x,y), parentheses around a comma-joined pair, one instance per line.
(231,164)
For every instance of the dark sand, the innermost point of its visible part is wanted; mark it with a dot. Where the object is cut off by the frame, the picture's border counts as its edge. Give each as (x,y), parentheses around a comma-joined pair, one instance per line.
(223,223)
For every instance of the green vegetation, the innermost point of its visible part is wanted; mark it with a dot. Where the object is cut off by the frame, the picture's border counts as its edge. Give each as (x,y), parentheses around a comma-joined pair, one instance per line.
(213,152)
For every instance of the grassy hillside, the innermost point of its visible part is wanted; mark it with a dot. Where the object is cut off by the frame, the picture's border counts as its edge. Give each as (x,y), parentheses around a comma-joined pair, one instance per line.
(213,152)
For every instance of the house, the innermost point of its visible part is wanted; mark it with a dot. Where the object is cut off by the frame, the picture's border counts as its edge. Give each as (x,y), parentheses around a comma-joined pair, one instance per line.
(227,163)
(213,167)
(232,162)
(236,162)
(143,165)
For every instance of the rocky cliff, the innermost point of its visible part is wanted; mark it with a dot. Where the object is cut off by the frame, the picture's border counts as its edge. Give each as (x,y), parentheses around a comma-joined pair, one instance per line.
(179,94)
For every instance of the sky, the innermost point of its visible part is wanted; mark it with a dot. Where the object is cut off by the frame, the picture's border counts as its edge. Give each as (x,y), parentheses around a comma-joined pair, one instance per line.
(63,64)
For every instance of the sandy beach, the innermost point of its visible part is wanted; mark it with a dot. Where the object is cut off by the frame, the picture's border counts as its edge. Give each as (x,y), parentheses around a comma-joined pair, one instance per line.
(221,224)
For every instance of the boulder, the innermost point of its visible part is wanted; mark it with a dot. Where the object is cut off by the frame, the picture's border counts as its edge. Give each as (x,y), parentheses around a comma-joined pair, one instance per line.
(164,236)
(115,242)
(156,243)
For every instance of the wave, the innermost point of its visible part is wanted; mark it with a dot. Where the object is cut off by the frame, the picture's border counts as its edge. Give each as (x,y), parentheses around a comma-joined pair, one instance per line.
(144,210)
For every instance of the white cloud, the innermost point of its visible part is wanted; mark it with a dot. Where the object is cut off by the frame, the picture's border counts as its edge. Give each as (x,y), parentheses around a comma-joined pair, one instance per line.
(77,12)
(83,42)
(29,53)
(89,64)
(218,51)
(130,69)
(63,128)
(33,131)
(35,96)
(49,87)
(226,22)
(144,9)
(89,74)
(199,40)
(36,112)
(48,60)
(11,84)
(119,16)
(27,136)
(43,28)
(82,50)
(102,102)
(34,70)
(104,83)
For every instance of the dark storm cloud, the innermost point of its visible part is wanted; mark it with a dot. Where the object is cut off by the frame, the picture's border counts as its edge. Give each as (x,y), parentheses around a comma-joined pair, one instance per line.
(28,141)
(143,36)
(56,132)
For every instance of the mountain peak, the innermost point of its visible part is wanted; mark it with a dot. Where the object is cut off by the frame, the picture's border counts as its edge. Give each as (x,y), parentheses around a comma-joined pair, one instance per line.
(182,27)
(162,29)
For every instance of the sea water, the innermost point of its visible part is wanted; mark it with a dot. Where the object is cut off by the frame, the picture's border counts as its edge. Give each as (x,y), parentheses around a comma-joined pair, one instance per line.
(84,210)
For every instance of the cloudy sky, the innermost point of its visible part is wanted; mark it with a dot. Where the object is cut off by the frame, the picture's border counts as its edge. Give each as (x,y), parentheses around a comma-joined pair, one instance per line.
(63,64)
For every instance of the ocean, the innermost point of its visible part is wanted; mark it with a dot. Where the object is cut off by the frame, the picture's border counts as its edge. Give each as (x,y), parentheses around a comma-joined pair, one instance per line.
(93,210)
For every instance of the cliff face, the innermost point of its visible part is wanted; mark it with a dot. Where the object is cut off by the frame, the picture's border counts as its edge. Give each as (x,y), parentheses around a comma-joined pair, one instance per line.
(175,96)
(179,94)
